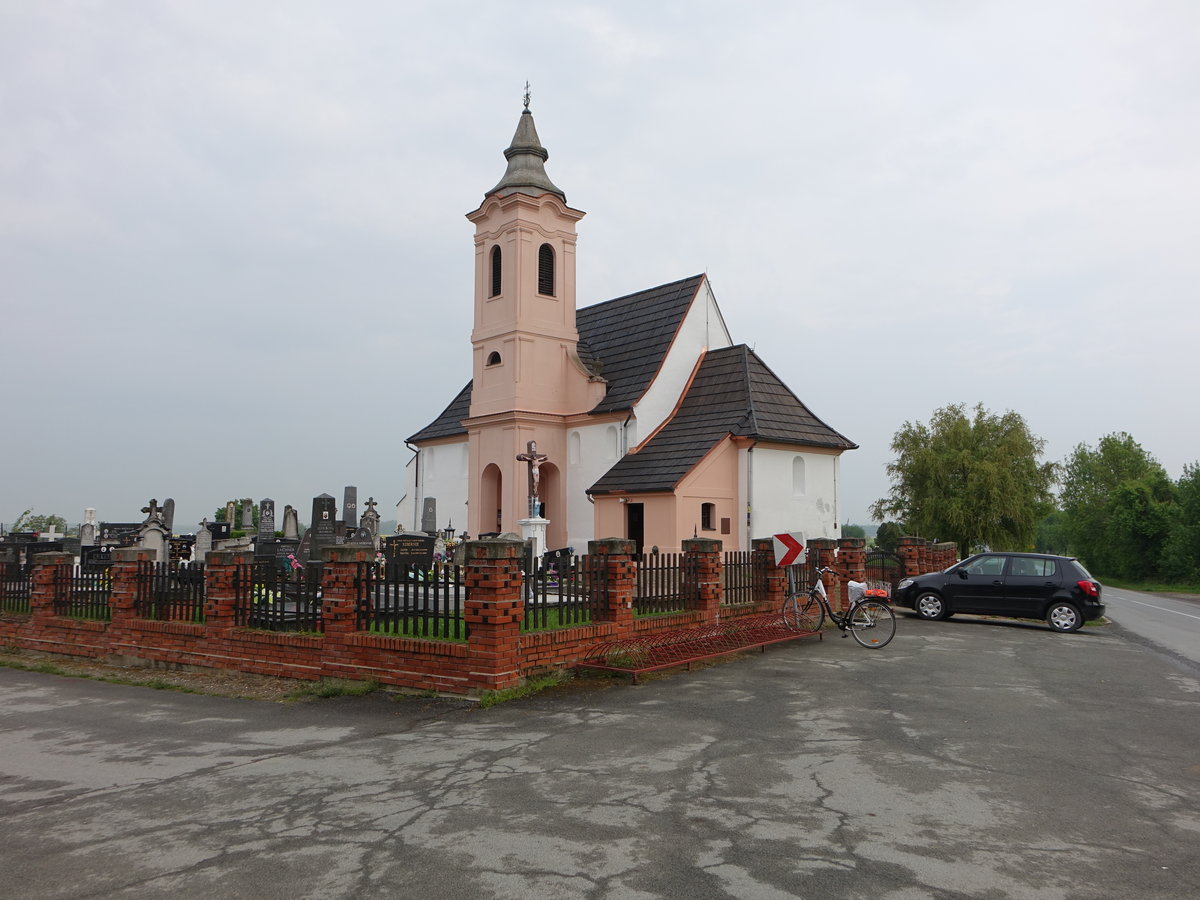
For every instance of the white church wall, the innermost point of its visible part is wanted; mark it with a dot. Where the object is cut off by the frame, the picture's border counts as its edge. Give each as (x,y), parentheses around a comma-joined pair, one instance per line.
(794,491)
(444,477)
(702,329)
(591,451)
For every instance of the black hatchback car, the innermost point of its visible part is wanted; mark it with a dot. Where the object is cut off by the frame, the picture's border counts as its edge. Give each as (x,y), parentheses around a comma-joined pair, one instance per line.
(1018,585)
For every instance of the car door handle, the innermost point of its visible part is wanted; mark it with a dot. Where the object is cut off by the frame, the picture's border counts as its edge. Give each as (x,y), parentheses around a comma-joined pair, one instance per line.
(998,581)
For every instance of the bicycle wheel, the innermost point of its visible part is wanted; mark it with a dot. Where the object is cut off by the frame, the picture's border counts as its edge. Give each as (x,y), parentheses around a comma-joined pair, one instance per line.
(803,613)
(872,623)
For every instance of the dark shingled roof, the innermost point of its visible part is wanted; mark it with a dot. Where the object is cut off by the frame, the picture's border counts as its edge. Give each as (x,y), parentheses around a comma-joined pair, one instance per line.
(449,423)
(733,392)
(622,340)
(626,339)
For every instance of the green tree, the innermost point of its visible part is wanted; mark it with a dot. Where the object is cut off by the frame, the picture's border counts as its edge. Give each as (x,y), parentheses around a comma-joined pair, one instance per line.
(1181,553)
(219,515)
(1119,503)
(854,531)
(1052,534)
(975,479)
(888,536)
(27,521)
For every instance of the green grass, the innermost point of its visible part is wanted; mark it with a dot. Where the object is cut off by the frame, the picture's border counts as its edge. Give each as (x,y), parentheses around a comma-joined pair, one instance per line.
(528,689)
(413,628)
(1151,587)
(334,687)
(49,668)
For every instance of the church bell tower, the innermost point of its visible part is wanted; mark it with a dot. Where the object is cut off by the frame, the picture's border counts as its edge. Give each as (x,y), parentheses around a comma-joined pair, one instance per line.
(527,375)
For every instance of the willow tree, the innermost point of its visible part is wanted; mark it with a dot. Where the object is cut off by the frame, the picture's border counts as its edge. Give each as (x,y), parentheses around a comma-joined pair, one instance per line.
(974,478)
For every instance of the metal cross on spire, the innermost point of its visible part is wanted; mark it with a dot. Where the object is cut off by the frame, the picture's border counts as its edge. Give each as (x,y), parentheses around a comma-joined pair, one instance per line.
(527,95)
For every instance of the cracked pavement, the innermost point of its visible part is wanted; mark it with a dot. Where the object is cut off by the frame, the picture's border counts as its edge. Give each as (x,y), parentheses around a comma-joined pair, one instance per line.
(970,758)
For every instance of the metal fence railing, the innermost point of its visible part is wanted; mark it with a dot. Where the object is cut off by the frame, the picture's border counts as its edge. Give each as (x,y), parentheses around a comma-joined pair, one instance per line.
(267,597)
(412,600)
(563,595)
(16,584)
(82,595)
(661,584)
(170,593)
(745,579)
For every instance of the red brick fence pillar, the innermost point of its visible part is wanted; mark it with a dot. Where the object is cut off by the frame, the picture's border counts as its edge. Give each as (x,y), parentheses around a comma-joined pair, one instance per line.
(44,583)
(775,587)
(823,552)
(493,612)
(616,557)
(703,568)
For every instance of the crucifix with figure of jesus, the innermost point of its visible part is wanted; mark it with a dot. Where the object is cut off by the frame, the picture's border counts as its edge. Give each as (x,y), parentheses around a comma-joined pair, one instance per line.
(534,460)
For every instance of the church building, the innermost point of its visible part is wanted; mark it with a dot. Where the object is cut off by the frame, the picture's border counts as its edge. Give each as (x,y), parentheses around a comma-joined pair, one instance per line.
(648,422)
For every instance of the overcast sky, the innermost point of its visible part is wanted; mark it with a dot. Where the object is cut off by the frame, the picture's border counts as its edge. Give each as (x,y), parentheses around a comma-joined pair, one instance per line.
(234,263)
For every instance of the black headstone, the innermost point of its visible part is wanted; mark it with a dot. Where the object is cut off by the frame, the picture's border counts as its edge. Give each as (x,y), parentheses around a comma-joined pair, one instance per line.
(323,532)
(266,519)
(410,550)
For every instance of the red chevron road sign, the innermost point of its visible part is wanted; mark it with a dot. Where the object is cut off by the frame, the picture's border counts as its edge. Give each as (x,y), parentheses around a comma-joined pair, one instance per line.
(789,549)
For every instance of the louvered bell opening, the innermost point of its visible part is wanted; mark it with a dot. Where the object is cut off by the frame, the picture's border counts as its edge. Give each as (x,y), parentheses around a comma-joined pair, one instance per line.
(546,270)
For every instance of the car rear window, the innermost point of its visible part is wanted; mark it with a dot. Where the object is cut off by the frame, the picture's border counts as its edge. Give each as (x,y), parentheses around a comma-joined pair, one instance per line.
(1032,568)
(1080,571)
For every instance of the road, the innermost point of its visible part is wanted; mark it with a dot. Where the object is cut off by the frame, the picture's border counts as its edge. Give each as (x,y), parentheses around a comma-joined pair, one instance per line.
(1170,622)
(970,758)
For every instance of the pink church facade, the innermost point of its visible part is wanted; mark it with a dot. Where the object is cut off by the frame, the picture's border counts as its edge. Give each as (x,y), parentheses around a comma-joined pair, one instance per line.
(654,424)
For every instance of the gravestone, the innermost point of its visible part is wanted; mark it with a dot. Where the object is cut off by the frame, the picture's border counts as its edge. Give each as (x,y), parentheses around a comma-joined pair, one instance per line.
(263,544)
(92,559)
(429,515)
(204,542)
(361,537)
(168,514)
(230,512)
(370,518)
(323,532)
(87,531)
(119,534)
(291,523)
(304,551)
(410,550)
(220,531)
(247,514)
(350,508)
(266,519)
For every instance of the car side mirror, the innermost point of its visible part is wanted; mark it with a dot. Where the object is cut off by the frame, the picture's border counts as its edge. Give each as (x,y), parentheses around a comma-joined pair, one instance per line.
(962,573)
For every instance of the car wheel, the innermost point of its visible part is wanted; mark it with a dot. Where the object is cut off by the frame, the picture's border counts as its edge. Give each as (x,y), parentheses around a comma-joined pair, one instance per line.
(930,606)
(1064,617)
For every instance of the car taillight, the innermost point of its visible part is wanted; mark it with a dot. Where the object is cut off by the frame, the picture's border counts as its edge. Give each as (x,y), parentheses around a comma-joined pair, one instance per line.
(1088,588)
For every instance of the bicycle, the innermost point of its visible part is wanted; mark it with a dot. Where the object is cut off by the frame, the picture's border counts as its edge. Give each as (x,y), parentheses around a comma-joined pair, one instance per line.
(869,619)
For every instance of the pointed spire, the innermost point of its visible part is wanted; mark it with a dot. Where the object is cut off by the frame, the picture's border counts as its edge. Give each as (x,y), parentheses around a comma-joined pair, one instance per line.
(526,157)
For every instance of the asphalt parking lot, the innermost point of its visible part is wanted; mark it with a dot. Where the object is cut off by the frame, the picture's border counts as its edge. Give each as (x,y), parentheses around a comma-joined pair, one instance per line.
(970,758)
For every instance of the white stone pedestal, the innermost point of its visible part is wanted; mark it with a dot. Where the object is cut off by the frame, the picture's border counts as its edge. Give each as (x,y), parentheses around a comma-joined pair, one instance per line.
(534,529)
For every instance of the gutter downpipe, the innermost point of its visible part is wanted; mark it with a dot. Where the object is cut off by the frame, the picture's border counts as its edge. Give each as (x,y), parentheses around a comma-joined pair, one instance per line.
(420,485)
(750,497)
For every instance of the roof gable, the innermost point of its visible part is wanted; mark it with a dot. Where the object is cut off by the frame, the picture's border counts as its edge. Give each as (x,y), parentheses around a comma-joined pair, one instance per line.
(733,393)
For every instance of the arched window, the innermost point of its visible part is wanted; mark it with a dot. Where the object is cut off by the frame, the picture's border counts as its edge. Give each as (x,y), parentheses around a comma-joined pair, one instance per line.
(797,476)
(612,438)
(495,272)
(493,358)
(546,270)
(574,448)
